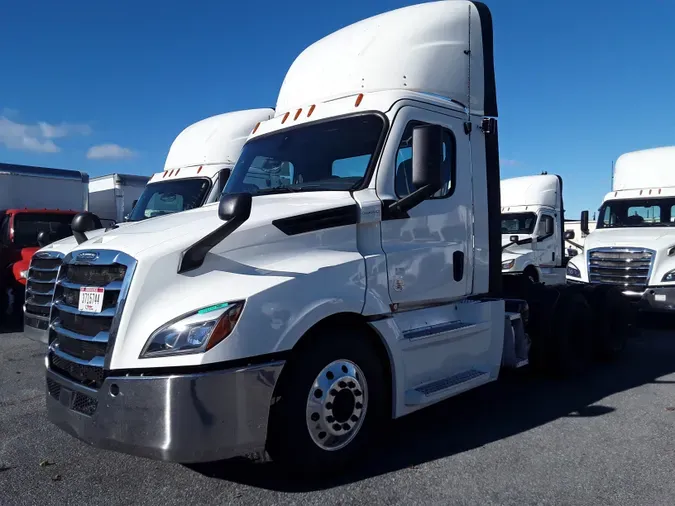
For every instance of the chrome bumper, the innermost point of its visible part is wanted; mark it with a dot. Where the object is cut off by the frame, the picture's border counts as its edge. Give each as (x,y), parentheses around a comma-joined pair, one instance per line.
(36,328)
(185,418)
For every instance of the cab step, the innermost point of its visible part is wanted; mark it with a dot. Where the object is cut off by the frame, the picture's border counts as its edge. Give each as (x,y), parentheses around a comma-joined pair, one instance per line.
(435,390)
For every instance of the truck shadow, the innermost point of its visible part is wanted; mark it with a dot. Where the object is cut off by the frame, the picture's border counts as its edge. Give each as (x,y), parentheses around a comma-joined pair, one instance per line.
(517,403)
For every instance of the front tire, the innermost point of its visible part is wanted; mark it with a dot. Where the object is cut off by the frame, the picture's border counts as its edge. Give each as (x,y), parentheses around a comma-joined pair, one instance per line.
(332,400)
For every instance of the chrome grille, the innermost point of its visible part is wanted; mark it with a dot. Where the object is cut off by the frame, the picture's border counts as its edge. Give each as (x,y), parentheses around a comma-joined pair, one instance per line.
(80,343)
(627,267)
(42,274)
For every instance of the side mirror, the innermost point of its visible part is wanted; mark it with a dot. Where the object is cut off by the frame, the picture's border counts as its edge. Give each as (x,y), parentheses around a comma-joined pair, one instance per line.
(234,209)
(235,206)
(548,227)
(427,177)
(573,252)
(569,235)
(513,238)
(43,238)
(427,156)
(84,222)
(584,222)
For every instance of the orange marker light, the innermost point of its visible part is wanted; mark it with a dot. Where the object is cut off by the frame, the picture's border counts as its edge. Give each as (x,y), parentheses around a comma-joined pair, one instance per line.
(177,171)
(297,114)
(311,110)
(285,118)
(255,128)
(199,169)
(358,100)
(164,175)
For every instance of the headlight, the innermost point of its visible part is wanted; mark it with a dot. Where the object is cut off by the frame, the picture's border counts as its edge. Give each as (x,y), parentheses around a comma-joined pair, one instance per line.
(24,274)
(195,332)
(508,264)
(670,276)
(573,271)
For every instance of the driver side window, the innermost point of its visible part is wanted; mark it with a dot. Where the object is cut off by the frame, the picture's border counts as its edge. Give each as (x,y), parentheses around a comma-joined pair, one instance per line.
(404,183)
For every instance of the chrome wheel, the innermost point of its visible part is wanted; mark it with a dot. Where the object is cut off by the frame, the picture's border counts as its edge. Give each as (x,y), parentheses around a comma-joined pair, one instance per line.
(336,405)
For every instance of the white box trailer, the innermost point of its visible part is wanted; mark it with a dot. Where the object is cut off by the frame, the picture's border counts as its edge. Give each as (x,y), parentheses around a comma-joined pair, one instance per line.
(29,187)
(112,197)
(633,244)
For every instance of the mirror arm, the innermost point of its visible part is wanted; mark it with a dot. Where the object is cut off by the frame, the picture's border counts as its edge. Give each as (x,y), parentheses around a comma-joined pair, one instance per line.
(575,244)
(399,208)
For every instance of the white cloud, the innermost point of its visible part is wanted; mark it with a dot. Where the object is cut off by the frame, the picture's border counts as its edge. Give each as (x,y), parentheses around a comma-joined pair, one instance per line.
(63,130)
(24,137)
(103,151)
(38,137)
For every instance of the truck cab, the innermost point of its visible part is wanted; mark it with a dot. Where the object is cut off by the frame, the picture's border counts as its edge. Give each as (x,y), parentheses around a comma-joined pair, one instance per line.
(298,314)
(195,172)
(633,244)
(532,228)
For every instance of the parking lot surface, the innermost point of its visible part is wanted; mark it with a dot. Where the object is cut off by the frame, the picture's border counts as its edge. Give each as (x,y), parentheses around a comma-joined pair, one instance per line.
(604,438)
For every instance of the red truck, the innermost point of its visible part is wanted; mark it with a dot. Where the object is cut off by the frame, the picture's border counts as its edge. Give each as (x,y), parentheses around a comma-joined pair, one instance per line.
(37,205)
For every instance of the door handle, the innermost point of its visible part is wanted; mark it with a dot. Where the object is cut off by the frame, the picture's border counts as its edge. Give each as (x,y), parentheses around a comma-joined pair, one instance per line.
(458,265)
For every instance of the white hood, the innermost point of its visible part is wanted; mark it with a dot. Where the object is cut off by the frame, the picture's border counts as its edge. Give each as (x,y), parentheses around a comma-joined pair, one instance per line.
(659,239)
(656,238)
(175,232)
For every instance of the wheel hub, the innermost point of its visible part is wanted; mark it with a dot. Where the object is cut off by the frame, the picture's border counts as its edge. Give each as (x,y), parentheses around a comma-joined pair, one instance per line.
(336,405)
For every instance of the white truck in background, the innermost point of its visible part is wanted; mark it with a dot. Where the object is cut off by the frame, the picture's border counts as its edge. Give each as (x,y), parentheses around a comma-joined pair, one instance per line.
(195,171)
(533,234)
(113,196)
(633,245)
(295,317)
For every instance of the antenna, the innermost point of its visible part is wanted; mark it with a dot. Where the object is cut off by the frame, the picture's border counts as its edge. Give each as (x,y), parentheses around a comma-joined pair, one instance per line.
(612,178)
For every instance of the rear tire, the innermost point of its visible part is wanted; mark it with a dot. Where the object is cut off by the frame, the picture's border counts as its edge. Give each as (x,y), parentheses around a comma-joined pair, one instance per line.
(333,399)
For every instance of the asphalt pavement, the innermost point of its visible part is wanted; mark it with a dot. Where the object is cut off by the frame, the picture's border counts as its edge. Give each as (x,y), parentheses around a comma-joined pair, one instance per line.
(602,439)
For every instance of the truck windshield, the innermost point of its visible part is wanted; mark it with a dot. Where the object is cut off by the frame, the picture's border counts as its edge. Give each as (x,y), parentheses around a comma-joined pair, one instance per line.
(330,155)
(27,226)
(518,223)
(167,197)
(658,212)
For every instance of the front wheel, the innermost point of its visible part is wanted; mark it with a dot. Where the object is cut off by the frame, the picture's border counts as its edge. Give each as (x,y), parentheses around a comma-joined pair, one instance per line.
(333,400)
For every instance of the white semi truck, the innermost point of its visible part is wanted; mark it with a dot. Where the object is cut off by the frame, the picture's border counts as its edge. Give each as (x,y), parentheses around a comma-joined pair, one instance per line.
(293,319)
(195,171)
(113,196)
(633,244)
(533,234)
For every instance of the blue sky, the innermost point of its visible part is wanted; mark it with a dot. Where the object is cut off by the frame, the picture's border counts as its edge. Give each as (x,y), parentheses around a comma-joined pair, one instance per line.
(105,86)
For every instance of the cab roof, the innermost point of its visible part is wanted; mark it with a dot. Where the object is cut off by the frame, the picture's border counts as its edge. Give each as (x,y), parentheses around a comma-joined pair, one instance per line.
(439,48)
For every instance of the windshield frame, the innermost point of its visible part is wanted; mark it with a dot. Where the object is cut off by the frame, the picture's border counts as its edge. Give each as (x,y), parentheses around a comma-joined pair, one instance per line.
(520,214)
(636,202)
(372,164)
(207,192)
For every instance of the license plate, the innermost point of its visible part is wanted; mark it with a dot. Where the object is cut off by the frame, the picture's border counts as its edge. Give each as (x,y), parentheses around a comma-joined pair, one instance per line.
(91,299)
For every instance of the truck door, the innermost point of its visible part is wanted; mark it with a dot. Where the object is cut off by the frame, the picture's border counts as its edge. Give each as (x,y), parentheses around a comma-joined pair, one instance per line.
(428,253)
(547,240)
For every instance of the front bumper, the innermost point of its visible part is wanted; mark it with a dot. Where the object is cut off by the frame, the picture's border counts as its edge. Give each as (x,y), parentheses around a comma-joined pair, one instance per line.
(655,298)
(36,328)
(184,418)
(658,298)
